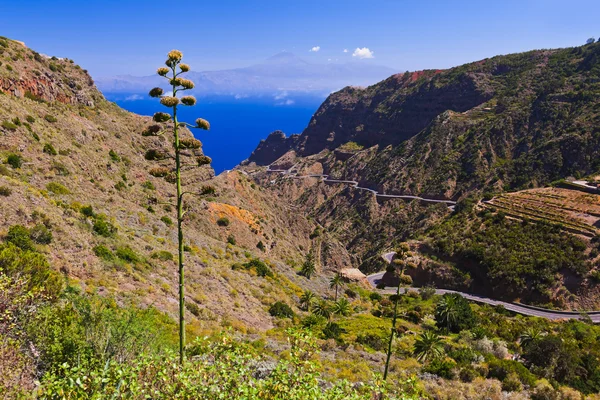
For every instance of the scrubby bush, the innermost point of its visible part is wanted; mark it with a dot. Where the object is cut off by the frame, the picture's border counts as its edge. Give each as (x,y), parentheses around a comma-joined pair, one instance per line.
(49,149)
(57,188)
(103,252)
(126,253)
(231,240)
(88,211)
(19,236)
(163,255)
(50,118)
(114,156)
(14,160)
(148,185)
(260,267)
(166,220)
(9,126)
(261,246)
(223,221)
(441,367)
(281,310)
(40,234)
(104,228)
(5,191)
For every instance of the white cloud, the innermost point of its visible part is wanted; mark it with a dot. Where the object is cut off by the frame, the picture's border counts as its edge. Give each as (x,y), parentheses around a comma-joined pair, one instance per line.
(315,49)
(133,97)
(345,50)
(288,102)
(281,95)
(240,96)
(363,53)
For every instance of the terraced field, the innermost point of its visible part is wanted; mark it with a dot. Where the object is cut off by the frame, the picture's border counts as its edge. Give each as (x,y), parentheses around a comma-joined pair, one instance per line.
(575,211)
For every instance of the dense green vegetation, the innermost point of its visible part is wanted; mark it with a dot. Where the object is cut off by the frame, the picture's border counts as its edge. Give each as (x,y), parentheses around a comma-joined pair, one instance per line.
(516,258)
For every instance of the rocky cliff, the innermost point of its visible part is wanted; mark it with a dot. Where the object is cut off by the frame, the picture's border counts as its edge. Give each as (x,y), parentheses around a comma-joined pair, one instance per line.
(514,121)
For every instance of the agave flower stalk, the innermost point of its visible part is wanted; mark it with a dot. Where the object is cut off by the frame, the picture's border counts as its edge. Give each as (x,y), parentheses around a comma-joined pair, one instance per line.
(172,72)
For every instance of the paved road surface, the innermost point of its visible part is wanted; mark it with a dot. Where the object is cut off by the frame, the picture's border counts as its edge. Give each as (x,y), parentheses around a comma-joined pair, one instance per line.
(517,308)
(354,184)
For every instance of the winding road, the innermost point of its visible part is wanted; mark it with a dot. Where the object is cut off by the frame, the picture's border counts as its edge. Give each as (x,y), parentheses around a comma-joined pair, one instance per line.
(514,307)
(374,279)
(354,184)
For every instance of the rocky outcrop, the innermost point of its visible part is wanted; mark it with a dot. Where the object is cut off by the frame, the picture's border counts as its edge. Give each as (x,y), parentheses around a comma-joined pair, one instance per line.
(41,78)
(273,147)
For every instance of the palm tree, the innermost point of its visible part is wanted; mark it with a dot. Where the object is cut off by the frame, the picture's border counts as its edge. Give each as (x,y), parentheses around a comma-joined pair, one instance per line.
(447,312)
(336,282)
(321,309)
(428,346)
(181,146)
(530,335)
(307,299)
(342,307)
(308,267)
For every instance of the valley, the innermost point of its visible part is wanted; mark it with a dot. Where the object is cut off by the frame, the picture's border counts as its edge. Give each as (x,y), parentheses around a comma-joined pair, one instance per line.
(467,180)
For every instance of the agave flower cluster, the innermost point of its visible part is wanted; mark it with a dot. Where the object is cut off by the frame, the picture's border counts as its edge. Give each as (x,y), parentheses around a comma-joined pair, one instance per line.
(184,147)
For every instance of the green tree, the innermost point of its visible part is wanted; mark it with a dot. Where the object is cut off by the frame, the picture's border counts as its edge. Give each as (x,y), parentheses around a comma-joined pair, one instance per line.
(530,335)
(397,265)
(182,147)
(428,346)
(321,309)
(454,313)
(336,282)
(308,267)
(341,307)
(307,299)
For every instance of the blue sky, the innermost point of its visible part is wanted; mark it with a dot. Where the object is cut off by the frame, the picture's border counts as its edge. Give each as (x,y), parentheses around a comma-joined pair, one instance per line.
(131,37)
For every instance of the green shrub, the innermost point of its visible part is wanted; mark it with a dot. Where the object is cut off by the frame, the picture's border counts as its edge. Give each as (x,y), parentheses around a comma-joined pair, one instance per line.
(9,126)
(60,169)
(120,186)
(30,119)
(114,156)
(36,136)
(50,118)
(166,220)
(5,191)
(260,267)
(31,96)
(40,234)
(193,308)
(374,296)
(103,252)
(104,228)
(19,236)
(231,240)
(126,253)
(30,266)
(88,211)
(333,331)
(148,185)
(260,245)
(57,188)
(374,341)
(14,160)
(440,367)
(163,255)
(49,149)
(281,310)
(223,221)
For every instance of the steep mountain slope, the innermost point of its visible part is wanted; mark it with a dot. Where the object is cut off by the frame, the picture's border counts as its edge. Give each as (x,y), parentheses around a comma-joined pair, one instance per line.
(515,121)
(509,122)
(64,148)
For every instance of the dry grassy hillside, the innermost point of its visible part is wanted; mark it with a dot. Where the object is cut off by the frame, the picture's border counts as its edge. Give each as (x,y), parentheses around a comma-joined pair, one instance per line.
(63,148)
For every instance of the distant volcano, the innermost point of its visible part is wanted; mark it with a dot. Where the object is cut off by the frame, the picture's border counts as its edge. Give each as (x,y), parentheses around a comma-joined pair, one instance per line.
(281,72)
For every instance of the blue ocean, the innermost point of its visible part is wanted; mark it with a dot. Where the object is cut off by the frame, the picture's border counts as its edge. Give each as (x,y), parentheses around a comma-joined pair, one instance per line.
(237,125)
